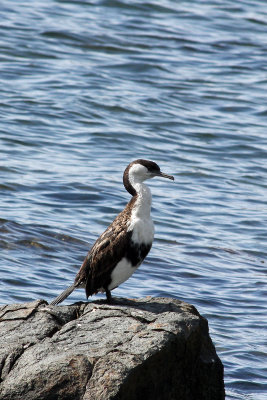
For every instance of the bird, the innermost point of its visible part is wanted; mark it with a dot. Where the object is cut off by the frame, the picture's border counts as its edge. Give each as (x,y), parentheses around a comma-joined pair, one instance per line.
(123,246)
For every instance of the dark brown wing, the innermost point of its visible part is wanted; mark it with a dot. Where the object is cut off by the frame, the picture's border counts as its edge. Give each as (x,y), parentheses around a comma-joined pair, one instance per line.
(110,247)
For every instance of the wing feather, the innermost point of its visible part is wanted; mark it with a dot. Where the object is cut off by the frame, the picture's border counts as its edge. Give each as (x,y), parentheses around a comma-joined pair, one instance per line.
(110,247)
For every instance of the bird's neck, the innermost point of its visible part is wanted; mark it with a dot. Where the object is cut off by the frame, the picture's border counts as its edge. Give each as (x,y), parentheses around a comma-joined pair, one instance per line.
(142,201)
(140,222)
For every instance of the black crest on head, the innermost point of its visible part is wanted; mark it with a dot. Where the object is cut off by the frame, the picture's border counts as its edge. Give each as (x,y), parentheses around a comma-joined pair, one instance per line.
(150,165)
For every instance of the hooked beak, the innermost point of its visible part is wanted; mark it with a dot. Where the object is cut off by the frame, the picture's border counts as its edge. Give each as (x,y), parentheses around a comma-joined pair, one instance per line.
(163,175)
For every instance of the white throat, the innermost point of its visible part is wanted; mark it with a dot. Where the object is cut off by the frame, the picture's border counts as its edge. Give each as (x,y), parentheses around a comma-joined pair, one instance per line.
(143,202)
(141,223)
(137,175)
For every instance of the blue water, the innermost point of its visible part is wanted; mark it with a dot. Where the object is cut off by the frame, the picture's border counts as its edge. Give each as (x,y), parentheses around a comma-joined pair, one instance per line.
(88,86)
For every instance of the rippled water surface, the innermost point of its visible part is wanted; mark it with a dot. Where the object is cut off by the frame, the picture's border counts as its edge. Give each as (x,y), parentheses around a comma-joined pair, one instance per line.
(88,86)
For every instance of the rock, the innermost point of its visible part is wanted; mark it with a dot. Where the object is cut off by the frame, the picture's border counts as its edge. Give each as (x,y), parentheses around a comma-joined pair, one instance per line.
(150,348)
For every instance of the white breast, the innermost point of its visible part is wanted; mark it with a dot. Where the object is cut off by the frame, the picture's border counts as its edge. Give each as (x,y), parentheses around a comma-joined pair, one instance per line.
(121,273)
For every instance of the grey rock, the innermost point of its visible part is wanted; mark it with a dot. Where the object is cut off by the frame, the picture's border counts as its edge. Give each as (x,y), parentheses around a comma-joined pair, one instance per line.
(150,348)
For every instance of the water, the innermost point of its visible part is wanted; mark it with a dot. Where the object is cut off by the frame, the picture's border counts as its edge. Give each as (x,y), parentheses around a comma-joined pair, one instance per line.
(88,86)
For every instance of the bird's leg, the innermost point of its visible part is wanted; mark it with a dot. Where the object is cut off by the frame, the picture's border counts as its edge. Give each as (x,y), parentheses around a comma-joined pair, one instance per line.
(109,297)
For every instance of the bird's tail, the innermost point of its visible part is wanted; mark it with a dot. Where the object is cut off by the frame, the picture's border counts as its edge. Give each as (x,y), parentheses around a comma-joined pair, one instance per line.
(63,295)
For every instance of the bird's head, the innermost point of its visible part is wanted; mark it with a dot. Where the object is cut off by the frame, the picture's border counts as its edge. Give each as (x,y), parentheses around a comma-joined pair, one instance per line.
(140,170)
